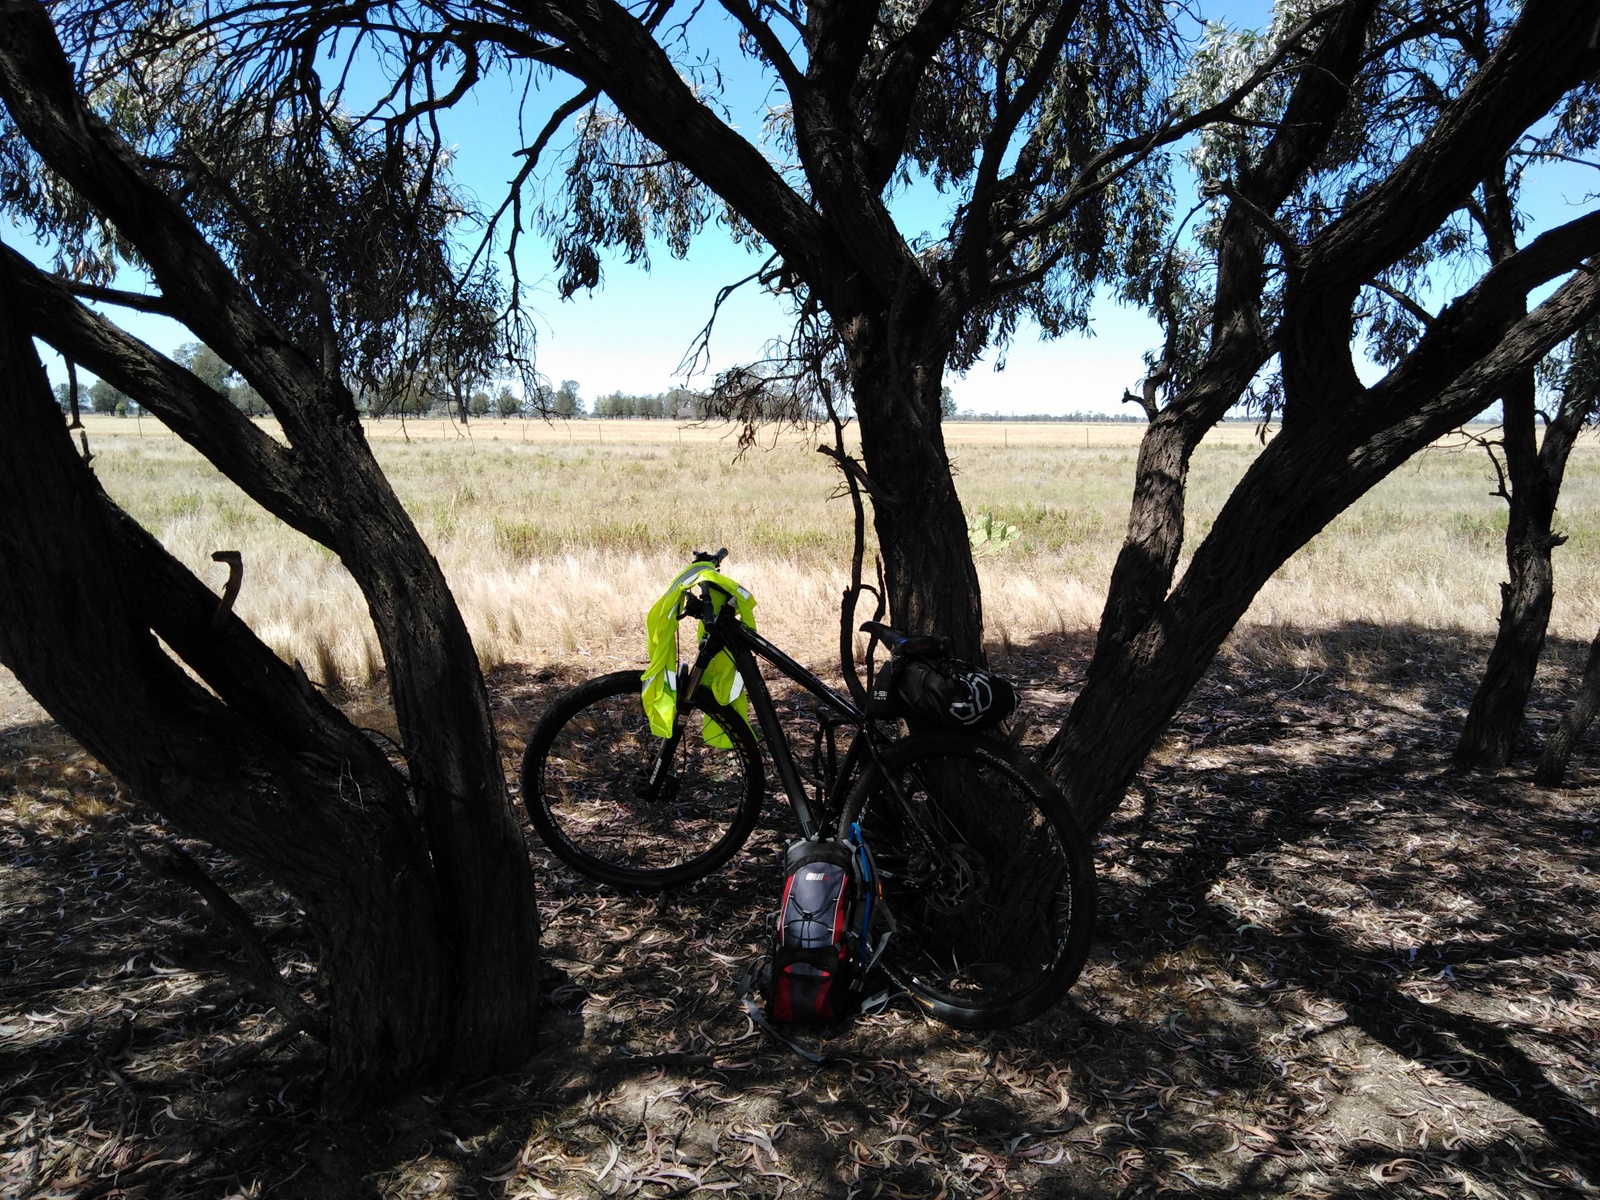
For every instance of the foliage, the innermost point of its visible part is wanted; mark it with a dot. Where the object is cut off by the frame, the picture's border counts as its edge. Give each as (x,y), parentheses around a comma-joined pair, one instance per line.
(567,402)
(989,534)
(103,398)
(337,227)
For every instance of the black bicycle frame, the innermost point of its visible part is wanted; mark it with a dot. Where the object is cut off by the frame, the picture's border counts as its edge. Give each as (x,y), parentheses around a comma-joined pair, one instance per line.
(724,631)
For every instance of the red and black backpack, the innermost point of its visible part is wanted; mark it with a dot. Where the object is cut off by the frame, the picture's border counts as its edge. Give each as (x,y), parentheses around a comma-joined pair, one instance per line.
(813,959)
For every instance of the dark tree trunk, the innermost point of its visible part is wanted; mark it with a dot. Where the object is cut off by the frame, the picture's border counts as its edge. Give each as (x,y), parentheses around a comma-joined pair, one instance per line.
(1337,438)
(1574,722)
(1533,476)
(1315,468)
(263,768)
(922,529)
(1534,473)
(476,950)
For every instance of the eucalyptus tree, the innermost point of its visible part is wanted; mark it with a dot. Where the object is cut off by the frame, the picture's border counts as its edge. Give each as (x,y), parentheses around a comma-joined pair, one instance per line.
(1043,122)
(1039,122)
(1576,378)
(1324,193)
(300,263)
(1485,229)
(1046,125)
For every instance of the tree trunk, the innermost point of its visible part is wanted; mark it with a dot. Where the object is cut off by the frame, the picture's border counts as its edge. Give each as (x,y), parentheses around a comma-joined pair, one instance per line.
(922,530)
(1495,718)
(260,765)
(1558,749)
(1314,469)
(325,483)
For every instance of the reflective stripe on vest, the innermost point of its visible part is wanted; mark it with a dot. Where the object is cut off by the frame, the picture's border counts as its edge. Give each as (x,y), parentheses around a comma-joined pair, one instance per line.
(660,678)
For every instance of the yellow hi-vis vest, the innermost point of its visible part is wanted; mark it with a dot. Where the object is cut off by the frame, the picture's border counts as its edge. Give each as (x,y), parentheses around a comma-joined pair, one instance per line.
(660,693)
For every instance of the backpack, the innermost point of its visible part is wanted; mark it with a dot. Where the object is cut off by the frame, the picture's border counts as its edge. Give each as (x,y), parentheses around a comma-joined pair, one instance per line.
(814,963)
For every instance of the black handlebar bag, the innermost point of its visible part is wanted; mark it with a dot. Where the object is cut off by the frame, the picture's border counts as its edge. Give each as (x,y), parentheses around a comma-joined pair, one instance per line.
(941,691)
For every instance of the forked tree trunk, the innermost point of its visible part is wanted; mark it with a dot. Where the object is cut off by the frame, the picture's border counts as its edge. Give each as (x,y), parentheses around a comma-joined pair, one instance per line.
(259,764)
(477,946)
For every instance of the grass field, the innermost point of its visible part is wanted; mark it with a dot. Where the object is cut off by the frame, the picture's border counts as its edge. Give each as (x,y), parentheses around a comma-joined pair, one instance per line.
(1326,964)
(556,538)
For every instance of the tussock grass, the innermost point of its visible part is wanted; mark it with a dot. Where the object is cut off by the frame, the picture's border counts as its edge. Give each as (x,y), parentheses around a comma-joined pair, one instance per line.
(556,538)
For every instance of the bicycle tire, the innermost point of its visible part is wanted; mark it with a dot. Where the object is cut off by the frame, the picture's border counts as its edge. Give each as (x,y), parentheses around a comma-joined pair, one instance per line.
(584,762)
(988,878)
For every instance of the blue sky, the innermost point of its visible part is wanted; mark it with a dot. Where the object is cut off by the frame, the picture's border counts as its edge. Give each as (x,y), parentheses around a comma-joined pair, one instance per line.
(632,333)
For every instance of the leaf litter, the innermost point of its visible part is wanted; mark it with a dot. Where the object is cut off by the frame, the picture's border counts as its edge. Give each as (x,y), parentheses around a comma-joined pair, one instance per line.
(1325,964)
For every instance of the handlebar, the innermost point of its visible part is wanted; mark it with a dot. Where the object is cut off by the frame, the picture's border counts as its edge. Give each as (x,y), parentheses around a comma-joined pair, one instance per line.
(905,643)
(706,557)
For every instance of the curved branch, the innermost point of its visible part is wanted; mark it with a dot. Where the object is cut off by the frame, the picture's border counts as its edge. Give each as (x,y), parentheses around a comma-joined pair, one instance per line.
(777,54)
(227,438)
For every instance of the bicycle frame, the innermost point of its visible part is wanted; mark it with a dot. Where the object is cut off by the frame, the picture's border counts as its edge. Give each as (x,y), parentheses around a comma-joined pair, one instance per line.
(725,632)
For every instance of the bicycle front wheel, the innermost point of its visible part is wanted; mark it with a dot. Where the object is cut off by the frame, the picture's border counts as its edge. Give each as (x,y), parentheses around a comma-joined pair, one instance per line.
(584,777)
(987,876)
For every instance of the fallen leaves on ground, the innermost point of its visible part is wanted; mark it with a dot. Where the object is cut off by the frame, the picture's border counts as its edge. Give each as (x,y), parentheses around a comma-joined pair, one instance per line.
(1325,965)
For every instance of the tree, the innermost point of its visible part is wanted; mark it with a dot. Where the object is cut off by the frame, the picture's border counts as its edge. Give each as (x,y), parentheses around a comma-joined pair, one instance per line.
(1063,108)
(247,400)
(1319,191)
(105,399)
(208,368)
(1400,179)
(507,403)
(416,884)
(567,402)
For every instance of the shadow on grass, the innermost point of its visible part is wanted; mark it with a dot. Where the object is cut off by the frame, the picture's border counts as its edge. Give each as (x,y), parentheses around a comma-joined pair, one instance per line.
(1325,964)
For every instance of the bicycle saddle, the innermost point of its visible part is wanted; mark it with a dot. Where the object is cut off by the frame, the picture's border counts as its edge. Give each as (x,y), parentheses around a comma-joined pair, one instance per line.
(903,643)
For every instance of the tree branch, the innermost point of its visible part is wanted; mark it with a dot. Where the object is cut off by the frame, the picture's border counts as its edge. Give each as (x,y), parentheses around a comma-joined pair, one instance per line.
(1135,150)
(1546,52)
(894,95)
(777,54)
(171,863)
(1403,300)
(265,468)
(105,295)
(611,50)
(975,246)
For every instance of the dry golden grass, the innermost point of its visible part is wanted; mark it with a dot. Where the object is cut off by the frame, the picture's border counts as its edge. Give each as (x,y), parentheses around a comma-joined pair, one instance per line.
(556,538)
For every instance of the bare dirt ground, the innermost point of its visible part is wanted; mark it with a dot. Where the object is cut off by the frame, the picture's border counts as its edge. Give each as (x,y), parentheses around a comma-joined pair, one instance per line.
(1325,965)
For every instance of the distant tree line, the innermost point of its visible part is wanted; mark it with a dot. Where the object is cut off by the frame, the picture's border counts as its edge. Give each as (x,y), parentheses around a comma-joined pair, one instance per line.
(98,397)
(1071,418)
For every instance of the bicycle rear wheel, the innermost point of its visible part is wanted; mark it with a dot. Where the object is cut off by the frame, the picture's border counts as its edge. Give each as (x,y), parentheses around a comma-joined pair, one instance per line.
(987,876)
(583,777)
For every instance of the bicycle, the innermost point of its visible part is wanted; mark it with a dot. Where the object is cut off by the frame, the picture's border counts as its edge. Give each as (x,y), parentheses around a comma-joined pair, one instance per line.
(986,875)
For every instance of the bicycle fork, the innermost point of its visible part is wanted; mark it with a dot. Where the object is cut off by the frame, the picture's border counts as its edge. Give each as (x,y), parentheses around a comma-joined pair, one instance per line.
(660,782)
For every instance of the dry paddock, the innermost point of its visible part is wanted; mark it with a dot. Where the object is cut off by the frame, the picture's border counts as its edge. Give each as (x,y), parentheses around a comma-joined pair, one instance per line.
(1325,964)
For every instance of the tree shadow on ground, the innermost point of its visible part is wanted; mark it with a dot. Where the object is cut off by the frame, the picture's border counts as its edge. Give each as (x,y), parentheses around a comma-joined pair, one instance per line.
(1324,964)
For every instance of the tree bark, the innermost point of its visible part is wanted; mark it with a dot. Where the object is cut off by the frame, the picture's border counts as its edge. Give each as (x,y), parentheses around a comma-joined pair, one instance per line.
(327,484)
(1574,722)
(1494,720)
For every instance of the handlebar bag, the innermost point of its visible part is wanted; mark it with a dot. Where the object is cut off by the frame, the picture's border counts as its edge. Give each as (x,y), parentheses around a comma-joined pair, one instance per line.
(942,691)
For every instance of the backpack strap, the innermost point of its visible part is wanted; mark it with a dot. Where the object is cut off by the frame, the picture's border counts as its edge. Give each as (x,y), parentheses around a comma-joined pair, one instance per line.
(747,988)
